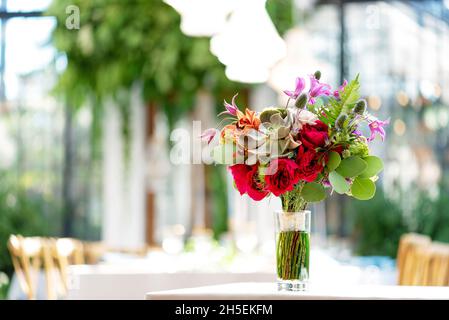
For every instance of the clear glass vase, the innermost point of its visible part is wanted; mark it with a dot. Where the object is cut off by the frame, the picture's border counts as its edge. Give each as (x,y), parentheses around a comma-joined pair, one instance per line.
(292,249)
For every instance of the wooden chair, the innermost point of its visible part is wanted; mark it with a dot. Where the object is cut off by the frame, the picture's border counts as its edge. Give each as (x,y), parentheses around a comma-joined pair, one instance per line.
(93,251)
(411,258)
(62,253)
(436,272)
(26,258)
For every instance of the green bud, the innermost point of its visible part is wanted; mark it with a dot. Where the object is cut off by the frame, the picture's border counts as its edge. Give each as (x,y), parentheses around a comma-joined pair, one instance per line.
(340,122)
(346,154)
(317,74)
(360,107)
(301,101)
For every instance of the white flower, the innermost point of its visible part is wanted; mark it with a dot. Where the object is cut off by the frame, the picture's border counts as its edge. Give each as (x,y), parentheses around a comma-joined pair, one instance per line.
(302,118)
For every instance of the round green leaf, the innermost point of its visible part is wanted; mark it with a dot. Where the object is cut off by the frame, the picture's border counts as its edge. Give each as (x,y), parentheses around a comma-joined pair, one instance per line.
(339,183)
(363,188)
(351,167)
(313,192)
(334,161)
(374,166)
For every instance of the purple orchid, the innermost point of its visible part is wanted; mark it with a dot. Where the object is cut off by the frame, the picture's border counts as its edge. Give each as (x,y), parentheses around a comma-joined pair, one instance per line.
(300,84)
(231,108)
(340,89)
(208,135)
(357,132)
(376,126)
(317,89)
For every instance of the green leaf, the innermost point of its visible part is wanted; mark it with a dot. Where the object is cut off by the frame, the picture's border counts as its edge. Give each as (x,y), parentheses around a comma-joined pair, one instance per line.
(313,192)
(363,188)
(351,167)
(351,92)
(329,112)
(334,161)
(374,166)
(339,183)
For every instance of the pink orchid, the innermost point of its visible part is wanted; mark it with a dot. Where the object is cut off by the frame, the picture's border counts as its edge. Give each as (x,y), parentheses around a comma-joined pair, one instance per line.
(340,89)
(208,135)
(317,89)
(376,126)
(300,84)
(231,108)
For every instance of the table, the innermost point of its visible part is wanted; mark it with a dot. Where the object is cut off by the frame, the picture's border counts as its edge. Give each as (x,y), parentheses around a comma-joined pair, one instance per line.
(268,291)
(125,278)
(113,283)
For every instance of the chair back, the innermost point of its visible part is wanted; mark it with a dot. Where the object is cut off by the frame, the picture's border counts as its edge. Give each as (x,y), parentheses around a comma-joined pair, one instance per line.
(412,258)
(437,267)
(26,256)
(93,251)
(65,252)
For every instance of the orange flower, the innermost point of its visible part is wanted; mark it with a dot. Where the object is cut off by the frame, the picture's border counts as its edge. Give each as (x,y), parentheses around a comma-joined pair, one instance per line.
(247,120)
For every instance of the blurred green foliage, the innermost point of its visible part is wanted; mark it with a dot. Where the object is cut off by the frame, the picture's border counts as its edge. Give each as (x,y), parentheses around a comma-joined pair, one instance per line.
(4,285)
(379,223)
(218,198)
(120,43)
(124,43)
(24,212)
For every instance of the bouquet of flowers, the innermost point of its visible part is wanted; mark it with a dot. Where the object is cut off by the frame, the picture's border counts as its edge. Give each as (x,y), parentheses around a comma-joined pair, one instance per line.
(301,152)
(297,152)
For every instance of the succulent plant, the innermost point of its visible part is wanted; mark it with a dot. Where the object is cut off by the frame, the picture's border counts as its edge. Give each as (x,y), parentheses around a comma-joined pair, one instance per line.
(251,146)
(279,134)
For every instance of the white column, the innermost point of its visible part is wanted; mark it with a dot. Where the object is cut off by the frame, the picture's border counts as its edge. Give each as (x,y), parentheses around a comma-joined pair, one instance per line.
(124,188)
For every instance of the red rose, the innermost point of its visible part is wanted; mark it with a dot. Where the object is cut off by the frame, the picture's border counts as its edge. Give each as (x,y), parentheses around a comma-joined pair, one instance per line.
(281,176)
(255,190)
(247,181)
(310,163)
(314,136)
(239,172)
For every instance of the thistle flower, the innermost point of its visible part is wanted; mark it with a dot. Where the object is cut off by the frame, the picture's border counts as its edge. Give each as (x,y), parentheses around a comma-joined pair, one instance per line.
(360,107)
(340,122)
(301,102)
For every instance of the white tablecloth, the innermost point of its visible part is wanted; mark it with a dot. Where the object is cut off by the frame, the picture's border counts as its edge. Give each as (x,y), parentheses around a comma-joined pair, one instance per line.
(132,278)
(112,282)
(268,291)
